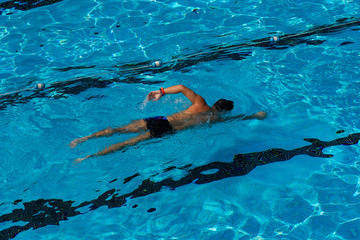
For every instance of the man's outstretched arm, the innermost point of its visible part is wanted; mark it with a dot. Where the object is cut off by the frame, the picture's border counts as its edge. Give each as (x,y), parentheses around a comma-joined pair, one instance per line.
(198,102)
(190,94)
(259,116)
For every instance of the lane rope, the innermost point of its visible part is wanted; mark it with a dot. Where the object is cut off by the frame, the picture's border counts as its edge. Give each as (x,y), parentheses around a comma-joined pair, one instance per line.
(273,40)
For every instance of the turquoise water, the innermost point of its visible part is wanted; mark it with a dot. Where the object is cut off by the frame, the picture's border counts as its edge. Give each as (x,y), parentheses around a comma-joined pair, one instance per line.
(309,89)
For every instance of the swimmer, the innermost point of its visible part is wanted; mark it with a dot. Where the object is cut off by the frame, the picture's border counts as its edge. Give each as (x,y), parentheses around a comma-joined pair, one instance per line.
(155,127)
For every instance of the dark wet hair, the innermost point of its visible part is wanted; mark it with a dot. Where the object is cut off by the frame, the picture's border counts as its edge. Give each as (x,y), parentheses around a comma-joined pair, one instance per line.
(223,105)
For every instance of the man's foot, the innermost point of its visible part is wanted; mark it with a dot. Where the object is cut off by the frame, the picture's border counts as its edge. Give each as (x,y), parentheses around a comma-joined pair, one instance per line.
(75,142)
(78,160)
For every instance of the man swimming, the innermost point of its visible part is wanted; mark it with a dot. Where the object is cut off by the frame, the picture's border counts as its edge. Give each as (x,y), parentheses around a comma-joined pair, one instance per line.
(198,113)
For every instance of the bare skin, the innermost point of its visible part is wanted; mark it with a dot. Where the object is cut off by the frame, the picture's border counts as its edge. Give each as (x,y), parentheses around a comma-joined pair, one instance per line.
(198,113)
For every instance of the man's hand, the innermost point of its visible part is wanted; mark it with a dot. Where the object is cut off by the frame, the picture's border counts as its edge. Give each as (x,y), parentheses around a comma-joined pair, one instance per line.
(154,95)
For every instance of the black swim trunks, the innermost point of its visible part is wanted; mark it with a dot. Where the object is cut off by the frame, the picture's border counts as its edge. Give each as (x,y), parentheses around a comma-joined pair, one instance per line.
(158,126)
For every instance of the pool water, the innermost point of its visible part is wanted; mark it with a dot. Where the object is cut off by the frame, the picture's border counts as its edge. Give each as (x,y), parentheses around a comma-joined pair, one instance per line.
(308,87)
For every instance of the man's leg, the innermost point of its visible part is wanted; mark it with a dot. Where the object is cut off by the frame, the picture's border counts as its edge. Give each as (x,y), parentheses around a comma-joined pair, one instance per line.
(133,127)
(118,146)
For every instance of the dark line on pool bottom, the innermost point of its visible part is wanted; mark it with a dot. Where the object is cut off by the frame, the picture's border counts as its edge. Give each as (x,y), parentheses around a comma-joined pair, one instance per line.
(42,212)
(24,5)
(237,52)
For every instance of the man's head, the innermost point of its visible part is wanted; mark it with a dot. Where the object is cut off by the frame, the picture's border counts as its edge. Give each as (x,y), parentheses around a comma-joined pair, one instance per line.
(223,105)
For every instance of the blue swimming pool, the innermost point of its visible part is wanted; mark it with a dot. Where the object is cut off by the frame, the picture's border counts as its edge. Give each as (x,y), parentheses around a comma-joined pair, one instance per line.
(95,59)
